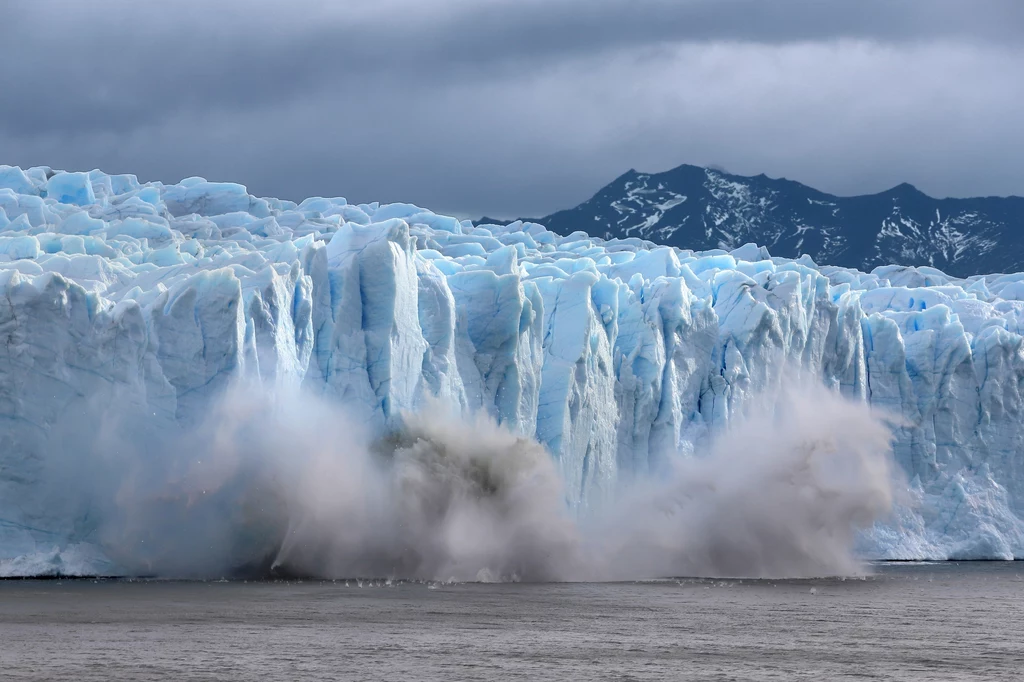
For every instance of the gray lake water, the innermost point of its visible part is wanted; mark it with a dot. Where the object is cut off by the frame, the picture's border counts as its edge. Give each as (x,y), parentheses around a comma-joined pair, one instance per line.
(906,622)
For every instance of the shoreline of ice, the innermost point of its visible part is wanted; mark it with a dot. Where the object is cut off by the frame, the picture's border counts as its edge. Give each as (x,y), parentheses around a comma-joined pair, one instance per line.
(608,353)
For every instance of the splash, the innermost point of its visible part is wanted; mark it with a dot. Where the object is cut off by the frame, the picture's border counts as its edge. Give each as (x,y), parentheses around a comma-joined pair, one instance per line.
(286,484)
(444,499)
(781,493)
(276,484)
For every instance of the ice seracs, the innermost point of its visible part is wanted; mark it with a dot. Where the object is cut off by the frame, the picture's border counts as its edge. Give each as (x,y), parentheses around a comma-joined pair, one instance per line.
(613,354)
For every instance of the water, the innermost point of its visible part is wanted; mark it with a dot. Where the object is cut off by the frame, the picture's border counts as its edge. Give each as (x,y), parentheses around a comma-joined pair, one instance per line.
(907,622)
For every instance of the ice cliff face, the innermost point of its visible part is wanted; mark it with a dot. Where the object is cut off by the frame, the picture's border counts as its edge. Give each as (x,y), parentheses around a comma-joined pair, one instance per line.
(612,354)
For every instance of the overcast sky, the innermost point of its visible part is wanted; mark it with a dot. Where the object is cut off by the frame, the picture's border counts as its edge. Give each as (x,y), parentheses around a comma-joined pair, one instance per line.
(517,107)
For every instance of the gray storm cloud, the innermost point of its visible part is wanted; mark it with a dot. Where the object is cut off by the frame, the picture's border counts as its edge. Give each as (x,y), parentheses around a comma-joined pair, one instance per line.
(517,108)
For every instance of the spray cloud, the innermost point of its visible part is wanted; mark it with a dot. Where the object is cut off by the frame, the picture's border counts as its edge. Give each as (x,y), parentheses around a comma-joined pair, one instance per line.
(275,482)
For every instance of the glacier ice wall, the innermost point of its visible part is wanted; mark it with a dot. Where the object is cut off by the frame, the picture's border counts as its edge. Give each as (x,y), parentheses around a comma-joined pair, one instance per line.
(614,355)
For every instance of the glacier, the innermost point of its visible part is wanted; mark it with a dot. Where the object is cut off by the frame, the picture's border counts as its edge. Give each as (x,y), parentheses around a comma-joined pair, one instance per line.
(615,355)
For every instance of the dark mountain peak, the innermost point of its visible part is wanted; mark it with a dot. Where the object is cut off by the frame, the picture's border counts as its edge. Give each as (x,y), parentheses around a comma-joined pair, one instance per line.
(699,208)
(487,220)
(906,189)
(689,170)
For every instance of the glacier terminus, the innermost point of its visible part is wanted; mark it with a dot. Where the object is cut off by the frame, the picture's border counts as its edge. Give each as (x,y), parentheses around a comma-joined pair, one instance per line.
(615,355)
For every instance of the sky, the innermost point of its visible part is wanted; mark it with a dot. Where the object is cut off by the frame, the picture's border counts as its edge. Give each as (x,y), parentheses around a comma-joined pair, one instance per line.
(517,108)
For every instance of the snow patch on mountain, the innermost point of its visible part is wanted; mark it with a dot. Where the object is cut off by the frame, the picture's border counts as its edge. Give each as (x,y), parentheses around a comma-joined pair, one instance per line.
(903,226)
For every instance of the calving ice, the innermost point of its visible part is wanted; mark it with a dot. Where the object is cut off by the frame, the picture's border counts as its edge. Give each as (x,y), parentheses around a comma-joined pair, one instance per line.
(130,310)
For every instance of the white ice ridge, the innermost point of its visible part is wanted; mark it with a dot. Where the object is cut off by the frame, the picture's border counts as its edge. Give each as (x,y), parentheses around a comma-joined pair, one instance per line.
(612,354)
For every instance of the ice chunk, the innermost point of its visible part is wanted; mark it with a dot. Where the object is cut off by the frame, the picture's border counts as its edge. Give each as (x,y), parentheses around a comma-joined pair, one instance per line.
(71,188)
(13,178)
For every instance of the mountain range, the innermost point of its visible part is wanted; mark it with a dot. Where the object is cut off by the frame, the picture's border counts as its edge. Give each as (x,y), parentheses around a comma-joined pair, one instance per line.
(703,208)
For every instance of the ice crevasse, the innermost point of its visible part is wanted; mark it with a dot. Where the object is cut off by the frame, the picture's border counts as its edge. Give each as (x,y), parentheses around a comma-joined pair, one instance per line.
(612,354)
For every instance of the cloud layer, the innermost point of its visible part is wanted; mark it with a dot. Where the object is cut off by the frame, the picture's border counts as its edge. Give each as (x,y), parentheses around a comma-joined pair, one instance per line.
(517,108)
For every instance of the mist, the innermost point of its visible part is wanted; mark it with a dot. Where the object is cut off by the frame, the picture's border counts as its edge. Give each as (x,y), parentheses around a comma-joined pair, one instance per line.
(781,493)
(279,483)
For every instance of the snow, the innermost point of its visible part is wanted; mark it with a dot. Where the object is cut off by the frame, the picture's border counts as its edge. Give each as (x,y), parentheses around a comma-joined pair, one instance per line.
(612,354)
